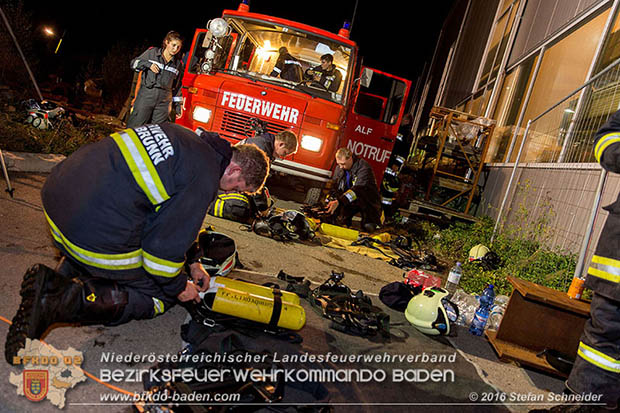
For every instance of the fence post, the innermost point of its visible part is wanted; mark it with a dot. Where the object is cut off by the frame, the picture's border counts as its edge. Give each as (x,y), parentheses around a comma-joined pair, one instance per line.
(586,238)
(512,177)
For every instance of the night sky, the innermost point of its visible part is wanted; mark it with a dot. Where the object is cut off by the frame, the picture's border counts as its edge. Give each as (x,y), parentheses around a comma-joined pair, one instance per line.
(394,36)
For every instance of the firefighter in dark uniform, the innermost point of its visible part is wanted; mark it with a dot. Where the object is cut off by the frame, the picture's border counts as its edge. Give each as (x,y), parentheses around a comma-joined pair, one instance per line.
(327,74)
(597,368)
(160,84)
(123,211)
(354,190)
(241,207)
(287,67)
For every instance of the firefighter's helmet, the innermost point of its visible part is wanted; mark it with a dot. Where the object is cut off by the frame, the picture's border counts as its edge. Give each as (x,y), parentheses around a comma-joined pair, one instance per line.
(488,259)
(431,312)
(219,252)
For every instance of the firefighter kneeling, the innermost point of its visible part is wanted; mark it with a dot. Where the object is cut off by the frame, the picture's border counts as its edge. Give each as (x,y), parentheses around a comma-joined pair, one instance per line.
(355,190)
(124,211)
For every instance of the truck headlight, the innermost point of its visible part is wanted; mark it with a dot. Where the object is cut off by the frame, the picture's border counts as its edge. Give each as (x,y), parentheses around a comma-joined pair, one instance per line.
(202,114)
(311,143)
(218,27)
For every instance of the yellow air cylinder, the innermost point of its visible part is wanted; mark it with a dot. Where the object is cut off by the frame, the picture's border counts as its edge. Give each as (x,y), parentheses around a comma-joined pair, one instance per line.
(253,307)
(339,232)
(251,288)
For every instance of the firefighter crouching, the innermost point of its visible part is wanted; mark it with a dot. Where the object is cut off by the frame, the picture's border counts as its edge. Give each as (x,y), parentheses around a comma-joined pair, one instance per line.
(597,368)
(123,211)
(354,190)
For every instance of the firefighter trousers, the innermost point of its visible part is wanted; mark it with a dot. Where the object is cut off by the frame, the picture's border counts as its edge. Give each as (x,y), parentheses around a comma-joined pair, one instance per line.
(151,106)
(597,367)
(145,299)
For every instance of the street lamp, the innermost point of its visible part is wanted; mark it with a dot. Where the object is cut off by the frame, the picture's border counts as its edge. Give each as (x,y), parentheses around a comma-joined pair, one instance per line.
(51,32)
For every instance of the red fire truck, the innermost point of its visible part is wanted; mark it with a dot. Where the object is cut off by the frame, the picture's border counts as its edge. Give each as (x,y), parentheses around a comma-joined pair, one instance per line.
(228,88)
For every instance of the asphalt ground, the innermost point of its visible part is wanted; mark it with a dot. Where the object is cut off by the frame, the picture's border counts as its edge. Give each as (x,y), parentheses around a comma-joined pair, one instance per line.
(480,383)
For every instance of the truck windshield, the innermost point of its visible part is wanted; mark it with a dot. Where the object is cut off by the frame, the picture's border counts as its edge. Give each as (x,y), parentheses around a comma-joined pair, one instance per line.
(286,56)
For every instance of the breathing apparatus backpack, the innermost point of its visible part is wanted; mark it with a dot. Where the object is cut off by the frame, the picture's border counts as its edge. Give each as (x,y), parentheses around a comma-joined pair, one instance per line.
(233,206)
(351,313)
(289,225)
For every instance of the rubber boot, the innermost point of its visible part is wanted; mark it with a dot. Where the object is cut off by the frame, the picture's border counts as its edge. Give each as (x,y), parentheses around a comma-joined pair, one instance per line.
(48,298)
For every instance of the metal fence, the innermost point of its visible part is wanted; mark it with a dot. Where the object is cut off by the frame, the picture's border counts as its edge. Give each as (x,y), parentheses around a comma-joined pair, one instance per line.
(555,186)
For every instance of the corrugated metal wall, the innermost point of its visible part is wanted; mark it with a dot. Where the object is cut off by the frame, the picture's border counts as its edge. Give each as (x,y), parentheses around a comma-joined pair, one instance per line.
(470,50)
(542,19)
(565,192)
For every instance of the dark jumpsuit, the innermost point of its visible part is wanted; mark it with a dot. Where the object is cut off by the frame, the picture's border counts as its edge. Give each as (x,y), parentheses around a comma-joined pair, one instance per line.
(157,90)
(128,207)
(356,191)
(597,368)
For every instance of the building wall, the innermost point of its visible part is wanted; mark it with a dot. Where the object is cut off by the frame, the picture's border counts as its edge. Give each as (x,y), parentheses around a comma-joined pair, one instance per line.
(536,54)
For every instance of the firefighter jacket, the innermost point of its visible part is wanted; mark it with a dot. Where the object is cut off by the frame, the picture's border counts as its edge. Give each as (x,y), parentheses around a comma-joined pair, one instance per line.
(288,68)
(169,76)
(604,271)
(131,204)
(357,183)
(330,78)
(265,142)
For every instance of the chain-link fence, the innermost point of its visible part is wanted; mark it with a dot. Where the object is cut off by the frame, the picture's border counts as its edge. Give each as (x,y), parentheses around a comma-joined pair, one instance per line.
(555,188)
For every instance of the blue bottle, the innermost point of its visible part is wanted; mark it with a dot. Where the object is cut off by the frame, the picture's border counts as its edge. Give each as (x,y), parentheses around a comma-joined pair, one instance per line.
(482,312)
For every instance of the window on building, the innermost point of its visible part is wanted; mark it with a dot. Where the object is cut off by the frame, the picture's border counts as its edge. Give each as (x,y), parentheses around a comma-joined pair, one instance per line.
(562,70)
(498,43)
(508,108)
(611,49)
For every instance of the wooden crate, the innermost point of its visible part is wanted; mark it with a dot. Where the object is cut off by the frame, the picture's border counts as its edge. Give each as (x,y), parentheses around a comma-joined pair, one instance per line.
(539,318)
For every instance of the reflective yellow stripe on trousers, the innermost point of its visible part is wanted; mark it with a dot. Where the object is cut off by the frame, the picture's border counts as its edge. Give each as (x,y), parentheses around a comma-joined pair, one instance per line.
(124,261)
(141,166)
(599,359)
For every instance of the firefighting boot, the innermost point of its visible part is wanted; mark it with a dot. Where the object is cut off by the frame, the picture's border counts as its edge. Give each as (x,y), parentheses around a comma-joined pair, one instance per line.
(49,298)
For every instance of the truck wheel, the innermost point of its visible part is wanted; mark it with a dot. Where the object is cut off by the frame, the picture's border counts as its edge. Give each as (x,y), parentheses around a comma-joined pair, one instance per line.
(313,196)
(29,119)
(36,122)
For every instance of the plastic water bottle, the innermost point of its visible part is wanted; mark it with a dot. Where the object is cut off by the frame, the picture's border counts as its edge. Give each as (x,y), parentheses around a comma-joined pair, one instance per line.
(482,312)
(454,276)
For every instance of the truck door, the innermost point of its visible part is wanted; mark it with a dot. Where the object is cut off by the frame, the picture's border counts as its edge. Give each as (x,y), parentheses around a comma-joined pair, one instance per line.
(374,116)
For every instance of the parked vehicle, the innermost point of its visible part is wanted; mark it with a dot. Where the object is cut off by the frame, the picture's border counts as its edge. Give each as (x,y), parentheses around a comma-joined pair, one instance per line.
(228,88)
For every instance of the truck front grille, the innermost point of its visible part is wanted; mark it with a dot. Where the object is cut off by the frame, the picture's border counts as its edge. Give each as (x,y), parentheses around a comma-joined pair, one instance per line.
(240,123)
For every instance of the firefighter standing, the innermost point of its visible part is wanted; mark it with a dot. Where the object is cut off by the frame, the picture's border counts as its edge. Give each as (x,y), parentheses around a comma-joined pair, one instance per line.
(597,368)
(160,84)
(123,211)
(327,74)
(354,190)
(287,67)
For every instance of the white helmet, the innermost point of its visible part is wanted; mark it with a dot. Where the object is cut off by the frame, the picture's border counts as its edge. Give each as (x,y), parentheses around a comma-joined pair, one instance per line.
(431,312)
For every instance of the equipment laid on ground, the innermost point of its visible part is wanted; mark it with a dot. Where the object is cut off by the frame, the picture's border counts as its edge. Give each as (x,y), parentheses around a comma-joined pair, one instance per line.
(252,302)
(288,225)
(41,113)
(351,313)
(431,312)
(488,259)
(216,252)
